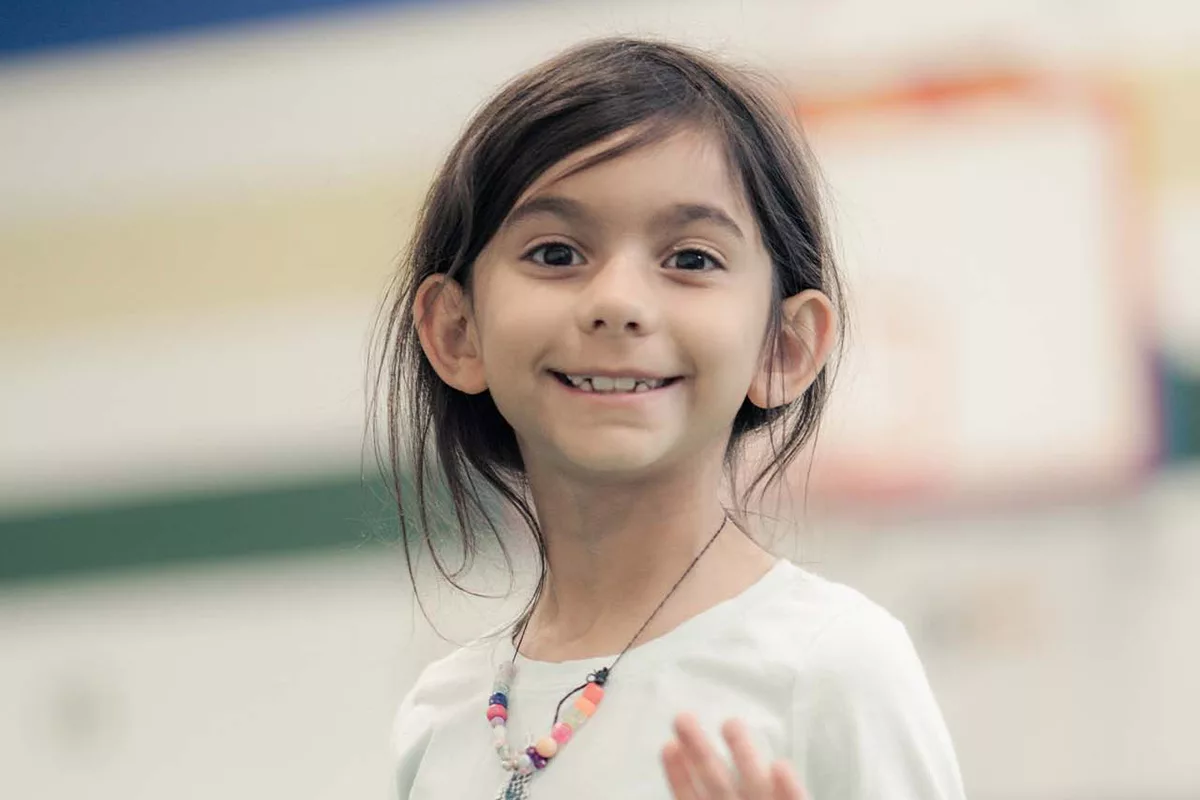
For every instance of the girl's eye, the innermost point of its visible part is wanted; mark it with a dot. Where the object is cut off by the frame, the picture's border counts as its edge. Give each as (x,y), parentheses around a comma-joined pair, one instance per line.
(693,261)
(555,254)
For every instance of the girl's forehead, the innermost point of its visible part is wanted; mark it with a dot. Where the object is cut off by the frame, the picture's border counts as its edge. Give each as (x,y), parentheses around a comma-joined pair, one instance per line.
(700,150)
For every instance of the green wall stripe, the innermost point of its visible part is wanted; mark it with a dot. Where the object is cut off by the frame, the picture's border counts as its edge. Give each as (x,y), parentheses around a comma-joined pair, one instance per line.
(337,513)
(1181,406)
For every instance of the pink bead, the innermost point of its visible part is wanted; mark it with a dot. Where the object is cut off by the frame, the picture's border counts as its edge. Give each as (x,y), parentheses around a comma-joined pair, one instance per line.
(497,711)
(561,733)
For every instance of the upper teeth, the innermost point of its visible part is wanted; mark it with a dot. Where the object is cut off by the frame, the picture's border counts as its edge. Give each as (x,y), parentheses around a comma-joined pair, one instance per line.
(601,383)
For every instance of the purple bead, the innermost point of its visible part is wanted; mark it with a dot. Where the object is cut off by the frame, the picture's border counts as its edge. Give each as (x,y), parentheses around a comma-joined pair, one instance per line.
(538,761)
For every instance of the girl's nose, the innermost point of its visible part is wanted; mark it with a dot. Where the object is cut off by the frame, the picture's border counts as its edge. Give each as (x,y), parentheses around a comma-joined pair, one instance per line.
(613,319)
(619,300)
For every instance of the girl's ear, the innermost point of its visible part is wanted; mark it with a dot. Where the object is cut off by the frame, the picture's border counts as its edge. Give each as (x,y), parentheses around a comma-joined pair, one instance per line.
(446,328)
(803,345)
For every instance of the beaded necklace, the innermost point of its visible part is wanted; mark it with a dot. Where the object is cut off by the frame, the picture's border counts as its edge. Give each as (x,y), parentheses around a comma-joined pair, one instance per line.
(535,757)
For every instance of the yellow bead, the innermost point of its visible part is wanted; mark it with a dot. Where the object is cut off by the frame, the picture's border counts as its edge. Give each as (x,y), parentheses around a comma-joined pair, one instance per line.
(546,747)
(574,718)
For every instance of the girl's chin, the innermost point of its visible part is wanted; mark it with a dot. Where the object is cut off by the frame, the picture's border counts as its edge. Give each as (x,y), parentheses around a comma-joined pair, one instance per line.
(611,464)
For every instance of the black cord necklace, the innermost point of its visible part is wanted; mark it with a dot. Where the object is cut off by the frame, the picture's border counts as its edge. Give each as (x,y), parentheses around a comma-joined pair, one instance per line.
(535,757)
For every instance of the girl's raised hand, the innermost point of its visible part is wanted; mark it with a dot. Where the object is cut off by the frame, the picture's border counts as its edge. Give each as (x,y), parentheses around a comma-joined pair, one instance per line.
(696,772)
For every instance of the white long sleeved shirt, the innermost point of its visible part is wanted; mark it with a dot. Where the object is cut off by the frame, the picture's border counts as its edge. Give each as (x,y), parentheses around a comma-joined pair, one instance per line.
(821,676)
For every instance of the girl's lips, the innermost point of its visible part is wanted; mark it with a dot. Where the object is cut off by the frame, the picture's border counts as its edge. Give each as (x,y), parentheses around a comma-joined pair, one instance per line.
(611,373)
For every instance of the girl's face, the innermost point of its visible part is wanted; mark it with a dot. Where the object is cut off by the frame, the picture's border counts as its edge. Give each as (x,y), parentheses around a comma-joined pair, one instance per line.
(619,313)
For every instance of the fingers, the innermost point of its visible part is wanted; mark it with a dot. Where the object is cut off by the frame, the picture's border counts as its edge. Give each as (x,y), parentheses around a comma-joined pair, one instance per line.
(696,772)
(784,785)
(678,775)
(753,781)
(706,766)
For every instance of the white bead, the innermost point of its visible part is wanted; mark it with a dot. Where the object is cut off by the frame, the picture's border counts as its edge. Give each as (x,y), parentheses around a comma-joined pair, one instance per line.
(505,673)
(524,764)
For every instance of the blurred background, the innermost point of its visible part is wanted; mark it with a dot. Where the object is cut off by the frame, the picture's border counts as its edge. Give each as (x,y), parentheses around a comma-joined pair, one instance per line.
(201,204)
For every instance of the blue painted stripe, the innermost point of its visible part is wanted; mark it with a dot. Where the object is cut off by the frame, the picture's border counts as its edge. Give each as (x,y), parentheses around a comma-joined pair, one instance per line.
(31,26)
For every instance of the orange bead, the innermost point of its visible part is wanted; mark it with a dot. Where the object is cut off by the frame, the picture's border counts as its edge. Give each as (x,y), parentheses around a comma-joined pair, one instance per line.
(594,693)
(587,707)
(546,747)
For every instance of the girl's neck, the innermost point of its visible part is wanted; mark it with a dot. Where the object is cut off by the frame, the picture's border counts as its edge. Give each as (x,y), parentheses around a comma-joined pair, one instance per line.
(615,551)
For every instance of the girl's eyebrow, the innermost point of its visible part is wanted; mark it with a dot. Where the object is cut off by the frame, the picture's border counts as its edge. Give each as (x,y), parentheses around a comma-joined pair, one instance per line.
(682,214)
(676,216)
(563,207)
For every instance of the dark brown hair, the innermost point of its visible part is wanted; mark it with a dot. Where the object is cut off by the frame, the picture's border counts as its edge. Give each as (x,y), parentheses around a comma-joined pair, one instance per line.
(457,447)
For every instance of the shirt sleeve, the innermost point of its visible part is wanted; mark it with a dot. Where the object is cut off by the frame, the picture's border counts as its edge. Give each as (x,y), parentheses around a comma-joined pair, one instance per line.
(411,732)
(867,724)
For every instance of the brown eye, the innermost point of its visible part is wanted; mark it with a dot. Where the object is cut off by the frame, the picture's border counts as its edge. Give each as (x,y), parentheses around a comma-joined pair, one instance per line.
(555,254)
(693,261)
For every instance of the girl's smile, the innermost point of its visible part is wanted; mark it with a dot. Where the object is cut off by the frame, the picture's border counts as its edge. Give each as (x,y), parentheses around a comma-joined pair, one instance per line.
(619,389)
(613,382)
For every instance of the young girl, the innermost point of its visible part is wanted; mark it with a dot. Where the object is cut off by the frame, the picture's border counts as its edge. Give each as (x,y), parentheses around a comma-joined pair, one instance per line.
(620,278)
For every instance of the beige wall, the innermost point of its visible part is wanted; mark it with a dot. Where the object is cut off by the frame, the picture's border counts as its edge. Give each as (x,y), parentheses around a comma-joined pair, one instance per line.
(193,236)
